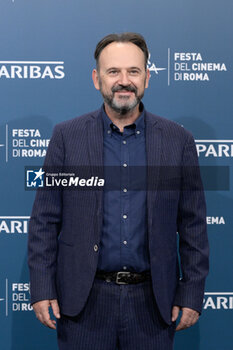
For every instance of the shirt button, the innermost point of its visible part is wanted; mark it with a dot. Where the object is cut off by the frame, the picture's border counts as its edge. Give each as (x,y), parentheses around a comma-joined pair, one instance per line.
(125,242)
(125,190)
(124,165)
(96,247)
(138,132)
(124,142)
(109,131)
(124,267)
(124,216)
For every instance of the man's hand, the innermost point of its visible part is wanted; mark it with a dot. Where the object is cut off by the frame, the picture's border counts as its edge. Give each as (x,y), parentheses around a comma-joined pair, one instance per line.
(189,317)
(41,309)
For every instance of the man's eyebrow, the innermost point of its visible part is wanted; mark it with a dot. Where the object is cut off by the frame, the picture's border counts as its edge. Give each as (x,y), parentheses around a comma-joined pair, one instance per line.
(112,68)
(115,68)
(137,68)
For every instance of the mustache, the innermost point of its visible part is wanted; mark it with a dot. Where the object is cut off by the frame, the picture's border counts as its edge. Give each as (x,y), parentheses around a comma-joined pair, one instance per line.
(124,88)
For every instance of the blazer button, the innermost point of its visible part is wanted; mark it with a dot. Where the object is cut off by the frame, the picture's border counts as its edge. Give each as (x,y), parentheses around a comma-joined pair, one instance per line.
(96,247)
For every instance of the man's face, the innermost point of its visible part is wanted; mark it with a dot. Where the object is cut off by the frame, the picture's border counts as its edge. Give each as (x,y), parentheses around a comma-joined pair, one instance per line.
(121,76)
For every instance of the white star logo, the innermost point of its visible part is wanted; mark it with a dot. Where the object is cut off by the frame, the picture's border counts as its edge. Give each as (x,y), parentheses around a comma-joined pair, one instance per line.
(38,174)
(152,67)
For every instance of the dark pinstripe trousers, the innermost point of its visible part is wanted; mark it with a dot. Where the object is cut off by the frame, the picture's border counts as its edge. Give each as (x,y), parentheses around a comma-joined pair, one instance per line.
(116,317)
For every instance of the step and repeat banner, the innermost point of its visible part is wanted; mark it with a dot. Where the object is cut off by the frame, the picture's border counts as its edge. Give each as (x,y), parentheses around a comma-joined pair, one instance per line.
(46,59)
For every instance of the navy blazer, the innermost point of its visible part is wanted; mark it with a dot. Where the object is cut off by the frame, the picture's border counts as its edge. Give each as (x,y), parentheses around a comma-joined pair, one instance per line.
(65,226)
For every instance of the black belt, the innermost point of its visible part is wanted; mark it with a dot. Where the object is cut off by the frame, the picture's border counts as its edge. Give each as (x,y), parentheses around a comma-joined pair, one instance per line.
(123,277)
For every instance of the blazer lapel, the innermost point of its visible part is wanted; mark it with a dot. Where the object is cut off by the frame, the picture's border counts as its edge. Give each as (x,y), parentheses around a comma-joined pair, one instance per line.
(95,152)
(153,148)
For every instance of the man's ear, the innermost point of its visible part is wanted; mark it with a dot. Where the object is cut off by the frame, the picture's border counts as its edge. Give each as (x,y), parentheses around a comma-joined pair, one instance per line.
(147,78)
(95,78)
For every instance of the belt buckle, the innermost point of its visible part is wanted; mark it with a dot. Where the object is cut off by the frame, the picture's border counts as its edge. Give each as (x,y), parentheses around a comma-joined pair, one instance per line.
(118,276)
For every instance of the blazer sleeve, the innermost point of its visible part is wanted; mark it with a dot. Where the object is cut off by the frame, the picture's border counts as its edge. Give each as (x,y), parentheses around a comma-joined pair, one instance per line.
(44,227)
(192,230)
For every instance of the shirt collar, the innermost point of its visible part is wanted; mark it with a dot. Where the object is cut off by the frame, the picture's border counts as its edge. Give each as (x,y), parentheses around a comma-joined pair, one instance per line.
(139,122)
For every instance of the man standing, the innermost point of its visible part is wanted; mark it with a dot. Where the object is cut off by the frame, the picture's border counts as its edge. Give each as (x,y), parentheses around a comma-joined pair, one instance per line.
(106,261)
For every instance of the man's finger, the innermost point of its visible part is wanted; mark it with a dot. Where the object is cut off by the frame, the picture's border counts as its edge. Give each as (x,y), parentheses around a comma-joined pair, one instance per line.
(41,309)
(55,308)
(189,318)
(44,317)
(48,322)
(175,313)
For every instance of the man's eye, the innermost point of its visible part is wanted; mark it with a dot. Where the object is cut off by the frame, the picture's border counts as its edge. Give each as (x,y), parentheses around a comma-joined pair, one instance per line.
(134,72)
(113,72)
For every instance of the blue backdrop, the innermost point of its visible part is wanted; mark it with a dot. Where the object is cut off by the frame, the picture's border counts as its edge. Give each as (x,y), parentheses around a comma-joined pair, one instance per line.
(46,59)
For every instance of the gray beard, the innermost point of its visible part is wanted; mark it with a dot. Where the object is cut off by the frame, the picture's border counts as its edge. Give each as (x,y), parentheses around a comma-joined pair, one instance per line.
(124,108)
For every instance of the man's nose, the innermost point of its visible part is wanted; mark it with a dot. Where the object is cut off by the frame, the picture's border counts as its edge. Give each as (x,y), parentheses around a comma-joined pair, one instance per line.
(124,79)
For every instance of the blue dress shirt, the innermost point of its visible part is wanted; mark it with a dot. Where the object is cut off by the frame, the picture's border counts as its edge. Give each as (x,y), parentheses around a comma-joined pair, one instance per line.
(124,240)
